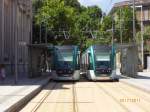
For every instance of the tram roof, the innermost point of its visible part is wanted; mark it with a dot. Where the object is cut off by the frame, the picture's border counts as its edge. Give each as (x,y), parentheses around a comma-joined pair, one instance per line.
(102,47)
(67,47)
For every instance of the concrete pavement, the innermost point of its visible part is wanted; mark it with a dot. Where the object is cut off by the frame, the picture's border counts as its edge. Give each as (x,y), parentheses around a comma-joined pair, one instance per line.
(12,96)
(142,81)
(89,97)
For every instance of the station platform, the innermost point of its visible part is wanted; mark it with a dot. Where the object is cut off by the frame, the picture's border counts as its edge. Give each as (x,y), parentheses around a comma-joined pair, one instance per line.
(142,81)
(14,96)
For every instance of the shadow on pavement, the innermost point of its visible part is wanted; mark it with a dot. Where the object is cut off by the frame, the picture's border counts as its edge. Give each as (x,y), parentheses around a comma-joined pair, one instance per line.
(142,77)
(59,86)
(23,80)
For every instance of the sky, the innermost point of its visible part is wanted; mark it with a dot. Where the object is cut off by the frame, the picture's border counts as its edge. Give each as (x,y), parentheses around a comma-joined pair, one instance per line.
(105,5)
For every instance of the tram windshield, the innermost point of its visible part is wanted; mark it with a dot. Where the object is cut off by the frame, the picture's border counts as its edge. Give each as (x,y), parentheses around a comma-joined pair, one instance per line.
(102,60)
(65,59)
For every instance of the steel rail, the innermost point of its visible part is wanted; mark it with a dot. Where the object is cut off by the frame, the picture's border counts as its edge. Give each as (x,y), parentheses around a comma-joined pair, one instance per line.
(43,99)
(108,94)
(135,94)
(75,109)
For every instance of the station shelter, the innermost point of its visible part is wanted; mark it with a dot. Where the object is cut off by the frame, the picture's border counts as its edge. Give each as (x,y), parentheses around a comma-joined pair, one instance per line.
(39,59)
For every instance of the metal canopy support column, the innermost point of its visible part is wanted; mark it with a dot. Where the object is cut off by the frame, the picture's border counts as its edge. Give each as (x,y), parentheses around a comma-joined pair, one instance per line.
(113,30)
(16,43)
(142,42)
(121,41)
(134,30)
(46,32)
(134,49)
(2,31)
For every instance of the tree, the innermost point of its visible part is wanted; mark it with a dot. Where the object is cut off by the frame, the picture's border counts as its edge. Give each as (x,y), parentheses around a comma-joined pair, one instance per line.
(106,30)
(56,16)
(73,3)
(87,22)
(124,17)
(146,38)
(81,23)
(147,33)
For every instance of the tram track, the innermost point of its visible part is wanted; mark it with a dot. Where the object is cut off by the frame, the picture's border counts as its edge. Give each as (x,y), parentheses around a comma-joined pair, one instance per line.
(130,98)
(83,96)
(110,95)
(74,98)
(127,91)
(43,99)
(57,95)
(144,95)
(75,109)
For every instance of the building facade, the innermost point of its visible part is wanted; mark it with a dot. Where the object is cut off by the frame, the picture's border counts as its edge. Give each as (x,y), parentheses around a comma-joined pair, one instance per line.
(15,34)
(142,16)
(142,10)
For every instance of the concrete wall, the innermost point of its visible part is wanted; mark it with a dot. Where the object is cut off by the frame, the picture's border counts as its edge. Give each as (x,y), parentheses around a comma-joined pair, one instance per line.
(129,60)
(15,33)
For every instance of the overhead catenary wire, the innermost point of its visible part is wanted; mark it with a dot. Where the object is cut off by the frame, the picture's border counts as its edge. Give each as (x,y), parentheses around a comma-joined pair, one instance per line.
(108,6)
(93,34)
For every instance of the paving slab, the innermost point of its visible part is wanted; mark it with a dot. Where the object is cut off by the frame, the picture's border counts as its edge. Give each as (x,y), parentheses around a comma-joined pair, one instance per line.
(142,81)
(89,97)
(12,96)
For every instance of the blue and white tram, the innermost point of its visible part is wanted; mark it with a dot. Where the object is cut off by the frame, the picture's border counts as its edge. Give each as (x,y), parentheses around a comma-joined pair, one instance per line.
(98,62)
(66,63)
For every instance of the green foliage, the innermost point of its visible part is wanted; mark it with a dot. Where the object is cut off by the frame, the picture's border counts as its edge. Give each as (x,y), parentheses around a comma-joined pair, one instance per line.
(147,33)
(89,19)
(146,38)
(125,19)
(107,23)
(55,14)
(73,3)
(69,15)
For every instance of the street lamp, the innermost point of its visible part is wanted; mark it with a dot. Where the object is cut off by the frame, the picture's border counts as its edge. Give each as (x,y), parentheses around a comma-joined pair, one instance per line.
(134,30)
(113,23)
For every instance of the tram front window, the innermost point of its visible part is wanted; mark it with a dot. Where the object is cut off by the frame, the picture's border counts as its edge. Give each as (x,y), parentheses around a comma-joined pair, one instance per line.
(103,64)
(65,63)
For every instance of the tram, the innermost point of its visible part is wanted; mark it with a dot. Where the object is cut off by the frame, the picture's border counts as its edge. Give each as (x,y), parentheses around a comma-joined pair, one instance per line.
(66,63)
(98,62)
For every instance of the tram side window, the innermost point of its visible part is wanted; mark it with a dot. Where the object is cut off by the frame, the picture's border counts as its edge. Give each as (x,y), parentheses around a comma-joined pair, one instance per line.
(78,61)
(85,62)
(89,62)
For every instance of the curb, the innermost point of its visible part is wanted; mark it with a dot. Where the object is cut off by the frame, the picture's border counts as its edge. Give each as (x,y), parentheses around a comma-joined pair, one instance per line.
(20,104)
